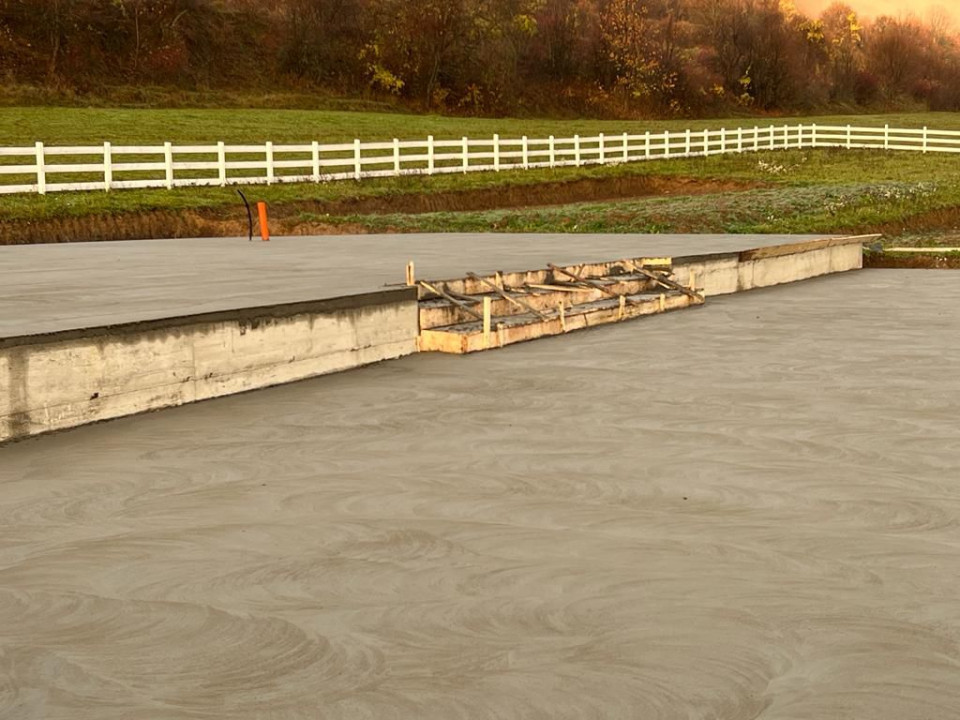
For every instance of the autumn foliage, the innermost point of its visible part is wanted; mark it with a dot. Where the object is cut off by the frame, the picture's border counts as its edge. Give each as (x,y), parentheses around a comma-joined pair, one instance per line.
(598,57)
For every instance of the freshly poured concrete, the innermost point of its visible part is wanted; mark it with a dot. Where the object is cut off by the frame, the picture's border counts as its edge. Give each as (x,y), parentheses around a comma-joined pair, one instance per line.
(88,372)
(47,288)
(748,511)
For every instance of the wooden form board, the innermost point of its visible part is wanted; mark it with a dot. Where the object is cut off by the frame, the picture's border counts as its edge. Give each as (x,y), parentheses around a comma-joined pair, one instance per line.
(600,313)
(437,312)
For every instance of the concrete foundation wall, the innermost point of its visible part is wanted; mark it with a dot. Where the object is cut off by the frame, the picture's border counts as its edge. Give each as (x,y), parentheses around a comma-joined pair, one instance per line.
(766,267)
(77,377)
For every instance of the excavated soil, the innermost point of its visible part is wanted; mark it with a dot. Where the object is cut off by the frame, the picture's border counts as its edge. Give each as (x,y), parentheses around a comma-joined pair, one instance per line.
(919,261)
(288,218)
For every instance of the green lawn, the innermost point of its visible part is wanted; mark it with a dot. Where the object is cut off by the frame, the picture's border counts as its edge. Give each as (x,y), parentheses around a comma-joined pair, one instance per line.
(805,191)
(63,126)
(785,209)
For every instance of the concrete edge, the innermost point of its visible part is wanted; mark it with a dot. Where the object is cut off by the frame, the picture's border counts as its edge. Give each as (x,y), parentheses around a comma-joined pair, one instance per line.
(773,251)
(248,314)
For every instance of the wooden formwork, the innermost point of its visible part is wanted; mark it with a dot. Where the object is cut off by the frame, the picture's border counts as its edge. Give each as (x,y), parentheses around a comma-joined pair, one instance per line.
(473,313)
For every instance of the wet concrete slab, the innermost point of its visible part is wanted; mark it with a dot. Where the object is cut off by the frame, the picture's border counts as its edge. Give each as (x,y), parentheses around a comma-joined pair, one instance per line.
(749,511)
(49,288)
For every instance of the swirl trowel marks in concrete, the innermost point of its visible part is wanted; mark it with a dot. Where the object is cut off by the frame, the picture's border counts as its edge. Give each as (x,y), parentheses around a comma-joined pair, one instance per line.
(746,512)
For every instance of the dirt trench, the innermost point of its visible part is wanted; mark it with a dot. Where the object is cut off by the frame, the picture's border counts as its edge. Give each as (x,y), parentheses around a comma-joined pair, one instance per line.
(922,261)
(305,217)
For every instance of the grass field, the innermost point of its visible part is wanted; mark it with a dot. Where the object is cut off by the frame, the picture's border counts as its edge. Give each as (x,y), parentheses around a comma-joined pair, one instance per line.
(61,126)
(795,191)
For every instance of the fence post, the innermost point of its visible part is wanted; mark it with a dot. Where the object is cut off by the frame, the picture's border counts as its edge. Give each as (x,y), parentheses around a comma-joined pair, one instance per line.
(886,137)
(357,159)
(646,145)
(41,171)
(786,137)
(526,153)
(553,152)
(222,163)
(602,156)
(270,169)
(666,143)
(431,159)
(848,137)
(799,136)
(396,156)
(686,151)
(706,142)
(739,139)
(168,163)
(626,148)
(723,140)
(924,138)
(315,158)
(813,135)
(576,150)
(756,138)
(772,138)
(466,155)
(496,152)
(107,167)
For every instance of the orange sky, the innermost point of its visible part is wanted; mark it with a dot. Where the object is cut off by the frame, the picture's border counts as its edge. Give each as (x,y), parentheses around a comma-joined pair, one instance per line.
(873,8)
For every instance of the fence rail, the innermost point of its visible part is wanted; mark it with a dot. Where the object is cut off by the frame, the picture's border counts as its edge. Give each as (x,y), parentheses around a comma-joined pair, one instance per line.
(109,167)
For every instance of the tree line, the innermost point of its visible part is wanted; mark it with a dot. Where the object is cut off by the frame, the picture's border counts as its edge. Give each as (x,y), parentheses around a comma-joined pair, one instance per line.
(598,57)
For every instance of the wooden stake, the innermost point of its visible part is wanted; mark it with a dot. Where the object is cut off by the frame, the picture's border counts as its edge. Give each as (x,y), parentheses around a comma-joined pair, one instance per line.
(411,277)
(563,316)
(693,280)
(487,302)
(623,304)
(663,302)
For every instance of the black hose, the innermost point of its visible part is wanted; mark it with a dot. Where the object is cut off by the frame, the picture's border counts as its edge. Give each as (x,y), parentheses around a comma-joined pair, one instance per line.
(249,215)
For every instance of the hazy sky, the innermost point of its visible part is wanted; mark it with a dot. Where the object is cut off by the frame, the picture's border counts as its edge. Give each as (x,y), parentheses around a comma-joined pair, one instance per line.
(873,8)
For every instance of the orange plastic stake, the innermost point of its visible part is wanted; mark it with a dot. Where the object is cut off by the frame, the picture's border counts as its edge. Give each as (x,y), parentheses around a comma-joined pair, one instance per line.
(264,226)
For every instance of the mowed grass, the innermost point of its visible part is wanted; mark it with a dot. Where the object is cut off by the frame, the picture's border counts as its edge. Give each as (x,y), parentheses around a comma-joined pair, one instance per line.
(800,193)
(24,126)
(822,191)
(786,209)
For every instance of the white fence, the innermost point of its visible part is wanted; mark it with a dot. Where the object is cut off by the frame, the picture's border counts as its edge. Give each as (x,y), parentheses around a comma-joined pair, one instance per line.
(108,167)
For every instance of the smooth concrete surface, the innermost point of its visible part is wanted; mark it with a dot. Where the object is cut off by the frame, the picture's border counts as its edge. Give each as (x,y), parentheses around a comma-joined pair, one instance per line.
(746,512)
(83,376)
(47,288)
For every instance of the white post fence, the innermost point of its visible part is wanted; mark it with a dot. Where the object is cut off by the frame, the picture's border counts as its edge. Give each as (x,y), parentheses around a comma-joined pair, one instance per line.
(167,164)
(42,168)
(108,167)
(271,169)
